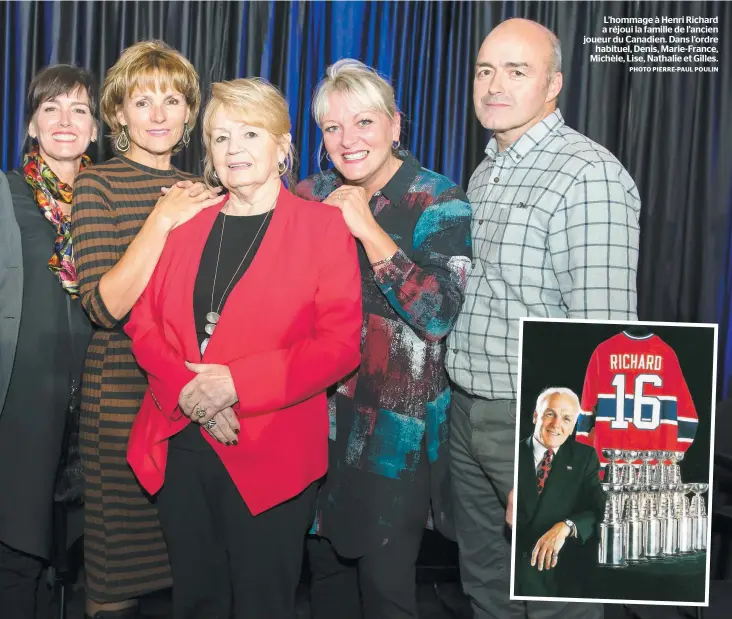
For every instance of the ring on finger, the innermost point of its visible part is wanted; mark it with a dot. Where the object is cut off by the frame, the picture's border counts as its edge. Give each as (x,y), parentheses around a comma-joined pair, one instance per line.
(210,424)
(199,411)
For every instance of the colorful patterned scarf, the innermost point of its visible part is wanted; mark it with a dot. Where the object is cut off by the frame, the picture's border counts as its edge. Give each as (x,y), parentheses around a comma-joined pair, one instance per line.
(49,191)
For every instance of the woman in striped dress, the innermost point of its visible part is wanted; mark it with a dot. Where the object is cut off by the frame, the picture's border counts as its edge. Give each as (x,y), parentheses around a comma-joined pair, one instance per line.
(150,101)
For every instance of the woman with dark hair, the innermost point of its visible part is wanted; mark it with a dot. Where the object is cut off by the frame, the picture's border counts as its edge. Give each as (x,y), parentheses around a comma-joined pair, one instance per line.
(43,329)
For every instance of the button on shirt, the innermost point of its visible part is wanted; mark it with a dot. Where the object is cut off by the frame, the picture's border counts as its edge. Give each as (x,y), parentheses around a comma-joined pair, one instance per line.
(555,232)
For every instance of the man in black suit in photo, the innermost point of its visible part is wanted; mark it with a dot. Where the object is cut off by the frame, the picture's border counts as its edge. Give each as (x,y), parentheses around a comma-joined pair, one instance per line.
(559,503)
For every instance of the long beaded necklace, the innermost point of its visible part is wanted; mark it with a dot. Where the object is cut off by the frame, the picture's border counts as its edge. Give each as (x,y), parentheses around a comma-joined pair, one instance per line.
(213,317)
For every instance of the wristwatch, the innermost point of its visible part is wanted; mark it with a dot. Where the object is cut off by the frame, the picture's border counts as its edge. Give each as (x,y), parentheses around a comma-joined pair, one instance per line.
(572,528)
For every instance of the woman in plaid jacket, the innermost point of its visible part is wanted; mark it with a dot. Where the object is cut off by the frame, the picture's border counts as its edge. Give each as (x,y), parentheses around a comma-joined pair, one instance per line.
(387,474)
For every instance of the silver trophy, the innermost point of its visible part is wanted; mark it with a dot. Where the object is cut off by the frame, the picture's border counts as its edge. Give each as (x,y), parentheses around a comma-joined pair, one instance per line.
(628,476)
(674,470)
(614,471)
(698,515)
(653,524)
(630,472)
(686,540)
(635,550)
(669,522)
(611,550)
(662,468)
(647,470)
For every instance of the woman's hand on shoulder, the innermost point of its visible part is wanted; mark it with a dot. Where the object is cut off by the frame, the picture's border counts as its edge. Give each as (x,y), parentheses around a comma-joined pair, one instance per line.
(354,205)
(183,201)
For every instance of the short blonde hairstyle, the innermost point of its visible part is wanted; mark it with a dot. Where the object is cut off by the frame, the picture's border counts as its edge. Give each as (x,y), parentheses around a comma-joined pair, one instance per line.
(256,102)
(363,85)
(359,82)
(149,65)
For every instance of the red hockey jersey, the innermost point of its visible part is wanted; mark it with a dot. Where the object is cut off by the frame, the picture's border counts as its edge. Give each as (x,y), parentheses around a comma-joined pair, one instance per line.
(635,397)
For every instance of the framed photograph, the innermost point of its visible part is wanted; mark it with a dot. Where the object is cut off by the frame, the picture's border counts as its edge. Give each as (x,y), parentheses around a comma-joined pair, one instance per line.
(614,461)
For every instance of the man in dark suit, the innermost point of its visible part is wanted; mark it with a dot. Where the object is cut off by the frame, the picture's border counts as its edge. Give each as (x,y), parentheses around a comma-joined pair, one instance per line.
(559,502)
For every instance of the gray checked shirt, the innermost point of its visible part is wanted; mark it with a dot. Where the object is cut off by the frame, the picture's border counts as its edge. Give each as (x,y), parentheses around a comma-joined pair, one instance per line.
(555,235)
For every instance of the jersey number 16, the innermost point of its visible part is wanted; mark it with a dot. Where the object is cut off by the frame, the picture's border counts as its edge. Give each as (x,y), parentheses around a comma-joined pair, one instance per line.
(639,400)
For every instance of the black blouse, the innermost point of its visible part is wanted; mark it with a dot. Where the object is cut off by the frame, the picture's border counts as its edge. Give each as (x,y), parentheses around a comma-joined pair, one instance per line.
(228,253)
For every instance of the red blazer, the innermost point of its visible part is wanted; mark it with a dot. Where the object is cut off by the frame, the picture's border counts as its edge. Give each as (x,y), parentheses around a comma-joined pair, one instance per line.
(290,328)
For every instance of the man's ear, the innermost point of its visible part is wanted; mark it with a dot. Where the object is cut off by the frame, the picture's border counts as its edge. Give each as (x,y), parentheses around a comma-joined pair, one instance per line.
(555,86)
(536,416)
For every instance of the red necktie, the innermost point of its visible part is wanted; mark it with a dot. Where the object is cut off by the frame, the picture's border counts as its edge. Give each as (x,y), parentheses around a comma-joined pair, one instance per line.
(542,472)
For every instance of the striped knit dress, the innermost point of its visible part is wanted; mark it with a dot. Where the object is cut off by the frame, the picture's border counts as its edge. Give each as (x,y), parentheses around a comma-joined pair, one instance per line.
(124,551)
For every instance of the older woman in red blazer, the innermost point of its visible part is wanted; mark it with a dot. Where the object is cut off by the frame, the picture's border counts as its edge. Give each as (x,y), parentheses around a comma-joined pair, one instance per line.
(252,312)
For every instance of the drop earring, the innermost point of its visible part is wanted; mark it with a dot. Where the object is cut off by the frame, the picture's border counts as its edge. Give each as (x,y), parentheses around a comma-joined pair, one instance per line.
(123,141)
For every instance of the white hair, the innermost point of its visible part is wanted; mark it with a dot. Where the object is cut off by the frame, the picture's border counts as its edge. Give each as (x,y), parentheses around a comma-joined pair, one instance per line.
(556,61)
(363,84)
(543,400)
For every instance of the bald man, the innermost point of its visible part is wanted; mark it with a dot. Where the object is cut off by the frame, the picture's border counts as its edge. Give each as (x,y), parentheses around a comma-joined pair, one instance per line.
(555,234)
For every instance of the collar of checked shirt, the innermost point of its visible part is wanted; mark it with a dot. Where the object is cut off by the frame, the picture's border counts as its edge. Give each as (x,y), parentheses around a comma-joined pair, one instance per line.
(534,136)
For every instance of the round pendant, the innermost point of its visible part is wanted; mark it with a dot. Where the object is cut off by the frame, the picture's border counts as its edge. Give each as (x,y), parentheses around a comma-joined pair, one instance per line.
(212,317)
(204,344)
(209,328)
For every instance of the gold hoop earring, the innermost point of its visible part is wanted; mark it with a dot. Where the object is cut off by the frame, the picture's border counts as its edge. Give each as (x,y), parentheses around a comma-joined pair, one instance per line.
(123,141)
(186,139)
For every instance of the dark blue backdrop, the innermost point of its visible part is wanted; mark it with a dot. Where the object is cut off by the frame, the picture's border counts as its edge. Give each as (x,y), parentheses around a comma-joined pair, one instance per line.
(426,48)
(673,132)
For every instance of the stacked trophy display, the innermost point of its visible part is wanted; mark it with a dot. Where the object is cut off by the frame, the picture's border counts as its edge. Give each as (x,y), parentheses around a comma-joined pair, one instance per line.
(648,515)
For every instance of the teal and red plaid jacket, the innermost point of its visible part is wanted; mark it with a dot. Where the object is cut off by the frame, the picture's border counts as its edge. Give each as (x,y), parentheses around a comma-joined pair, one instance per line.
(389,419)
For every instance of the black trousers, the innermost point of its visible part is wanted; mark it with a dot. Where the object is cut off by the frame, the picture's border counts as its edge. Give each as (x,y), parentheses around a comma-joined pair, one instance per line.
(226,563)
(20,574)
(379,585)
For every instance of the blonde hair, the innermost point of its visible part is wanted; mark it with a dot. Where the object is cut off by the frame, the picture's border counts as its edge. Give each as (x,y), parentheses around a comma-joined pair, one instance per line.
(357,81)
(362,84)
(258,103)
(149,65)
